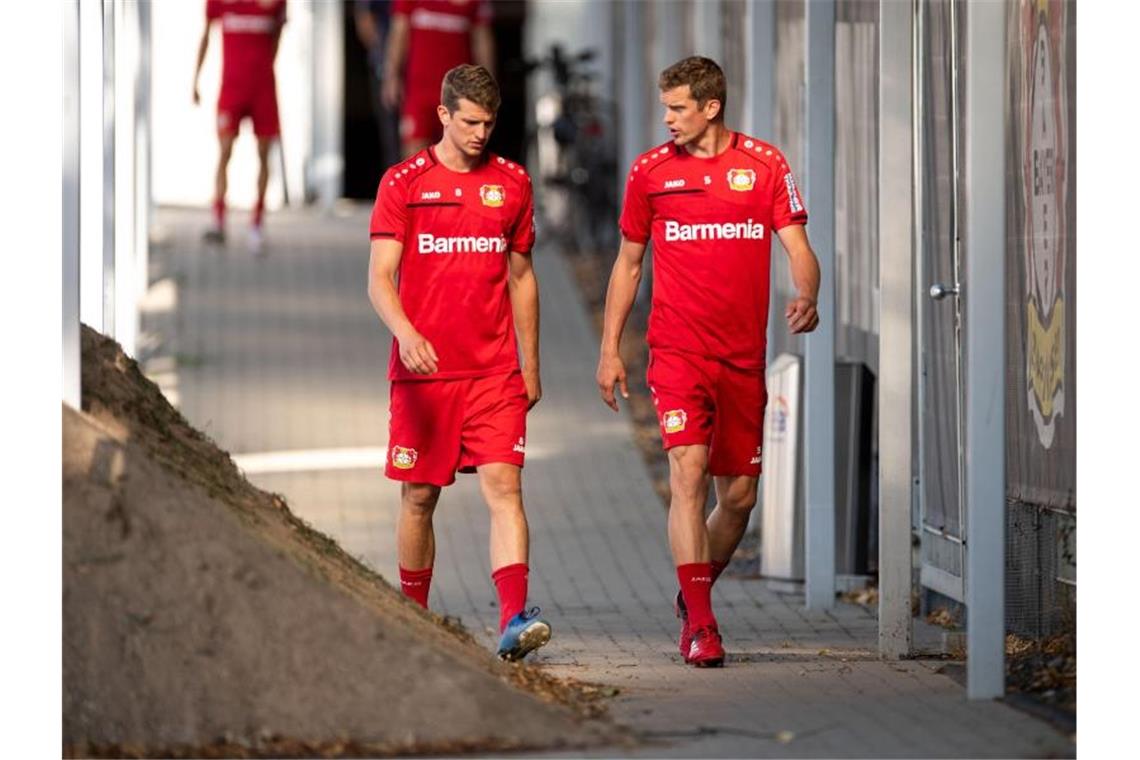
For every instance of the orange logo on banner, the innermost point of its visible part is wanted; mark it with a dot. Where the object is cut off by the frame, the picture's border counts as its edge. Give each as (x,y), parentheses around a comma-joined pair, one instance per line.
(492,195)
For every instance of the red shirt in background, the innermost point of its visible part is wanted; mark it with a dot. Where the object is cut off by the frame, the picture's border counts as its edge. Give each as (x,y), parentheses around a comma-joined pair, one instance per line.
(439,38)
(249,29)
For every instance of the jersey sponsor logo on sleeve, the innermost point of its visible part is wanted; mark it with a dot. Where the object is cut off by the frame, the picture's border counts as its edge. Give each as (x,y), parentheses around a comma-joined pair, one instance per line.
(759,454)
(748,230)
(794,204)
(404,458)
(492,195)
(520,447)
(429,243)
(741,180)
(674,420)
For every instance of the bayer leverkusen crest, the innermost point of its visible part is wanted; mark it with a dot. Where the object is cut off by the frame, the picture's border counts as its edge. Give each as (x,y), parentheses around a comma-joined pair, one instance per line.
(492,195)
(675,420)
(741,180)
(404,458)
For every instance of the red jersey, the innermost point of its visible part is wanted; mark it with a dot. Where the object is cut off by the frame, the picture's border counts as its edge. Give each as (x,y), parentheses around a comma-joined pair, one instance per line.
(458,229)
(711,222)
(249,31)
(439,38)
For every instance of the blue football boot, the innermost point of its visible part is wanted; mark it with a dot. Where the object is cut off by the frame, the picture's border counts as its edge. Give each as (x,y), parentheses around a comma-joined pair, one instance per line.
(524,633)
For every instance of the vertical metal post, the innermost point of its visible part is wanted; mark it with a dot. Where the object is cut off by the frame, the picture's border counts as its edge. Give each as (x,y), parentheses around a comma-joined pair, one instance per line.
(109,167)
(632,90)
(72,390)
(706,29)
(896,299)
(819,379)
(142,151)
(760,121)
(669,36)
(90,133)
(984,294)
(326,177)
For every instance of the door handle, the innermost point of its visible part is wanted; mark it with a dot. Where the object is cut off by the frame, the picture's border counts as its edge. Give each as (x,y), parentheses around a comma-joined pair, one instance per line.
(938,291)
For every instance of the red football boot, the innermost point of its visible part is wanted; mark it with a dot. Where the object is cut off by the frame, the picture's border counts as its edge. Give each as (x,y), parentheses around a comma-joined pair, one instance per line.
(706,650)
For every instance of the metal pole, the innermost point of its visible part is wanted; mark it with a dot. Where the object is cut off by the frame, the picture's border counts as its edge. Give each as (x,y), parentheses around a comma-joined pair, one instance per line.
(90,132)
(72,390)
(759,121)
(819,379)
(632,90)
(896,294)
(984,294)
(109,167)
(706,29)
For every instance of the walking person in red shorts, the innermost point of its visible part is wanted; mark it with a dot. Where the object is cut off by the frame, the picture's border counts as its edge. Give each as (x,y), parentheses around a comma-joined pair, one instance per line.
(450,275)
(709,199)
(251,31)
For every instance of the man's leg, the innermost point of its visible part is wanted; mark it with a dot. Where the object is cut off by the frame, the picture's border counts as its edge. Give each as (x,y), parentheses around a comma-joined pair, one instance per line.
(225,150)
(735,498)
(501,485)
(689,541)
(415,539)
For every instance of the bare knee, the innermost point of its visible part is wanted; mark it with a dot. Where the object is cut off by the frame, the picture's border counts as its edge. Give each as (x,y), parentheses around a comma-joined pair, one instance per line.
(418,500)
(739,497)
(502,486)
(688,474)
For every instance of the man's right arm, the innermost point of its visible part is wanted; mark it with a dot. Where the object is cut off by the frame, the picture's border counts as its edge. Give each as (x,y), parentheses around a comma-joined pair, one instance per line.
(624,281)
(394,55)
(202,46)
(416,352)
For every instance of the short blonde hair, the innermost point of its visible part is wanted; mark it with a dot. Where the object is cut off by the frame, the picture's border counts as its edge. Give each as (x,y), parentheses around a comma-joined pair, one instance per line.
(472,82)
(704,77)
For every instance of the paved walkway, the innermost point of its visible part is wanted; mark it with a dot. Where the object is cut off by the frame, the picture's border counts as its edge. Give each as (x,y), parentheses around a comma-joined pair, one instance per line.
(282,361)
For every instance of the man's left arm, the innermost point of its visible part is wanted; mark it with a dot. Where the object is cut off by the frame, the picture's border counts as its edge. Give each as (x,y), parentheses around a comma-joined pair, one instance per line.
(801,312)
(523,287)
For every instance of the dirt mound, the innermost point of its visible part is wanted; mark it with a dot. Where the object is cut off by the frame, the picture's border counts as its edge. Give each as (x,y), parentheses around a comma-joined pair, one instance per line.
(201,617)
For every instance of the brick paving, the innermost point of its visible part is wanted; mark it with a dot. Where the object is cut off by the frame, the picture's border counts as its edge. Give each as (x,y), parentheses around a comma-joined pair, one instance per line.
(283,353)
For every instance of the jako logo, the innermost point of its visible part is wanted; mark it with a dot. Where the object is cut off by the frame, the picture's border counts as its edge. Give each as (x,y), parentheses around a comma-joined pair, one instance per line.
(670,184)
(430,195)
(675,231)
(429,243)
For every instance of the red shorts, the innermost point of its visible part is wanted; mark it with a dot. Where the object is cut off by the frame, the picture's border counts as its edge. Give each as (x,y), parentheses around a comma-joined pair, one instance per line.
(253,98)
(419,121)
(440,426)
(704,401)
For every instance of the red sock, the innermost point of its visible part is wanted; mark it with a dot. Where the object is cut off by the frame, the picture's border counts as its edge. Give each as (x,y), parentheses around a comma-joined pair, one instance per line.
(219,212)
(258,213)
(415,584)
(717,568)
(696,587)
(511,582)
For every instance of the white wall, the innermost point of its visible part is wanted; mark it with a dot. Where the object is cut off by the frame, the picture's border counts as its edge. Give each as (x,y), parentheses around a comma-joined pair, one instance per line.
(185,146)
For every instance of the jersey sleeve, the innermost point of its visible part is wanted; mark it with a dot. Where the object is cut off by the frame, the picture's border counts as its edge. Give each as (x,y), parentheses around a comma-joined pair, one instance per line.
(787,203)
(279,16)
(213,10)
(636,216)
(402,7)
(390,212)
(522,234)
